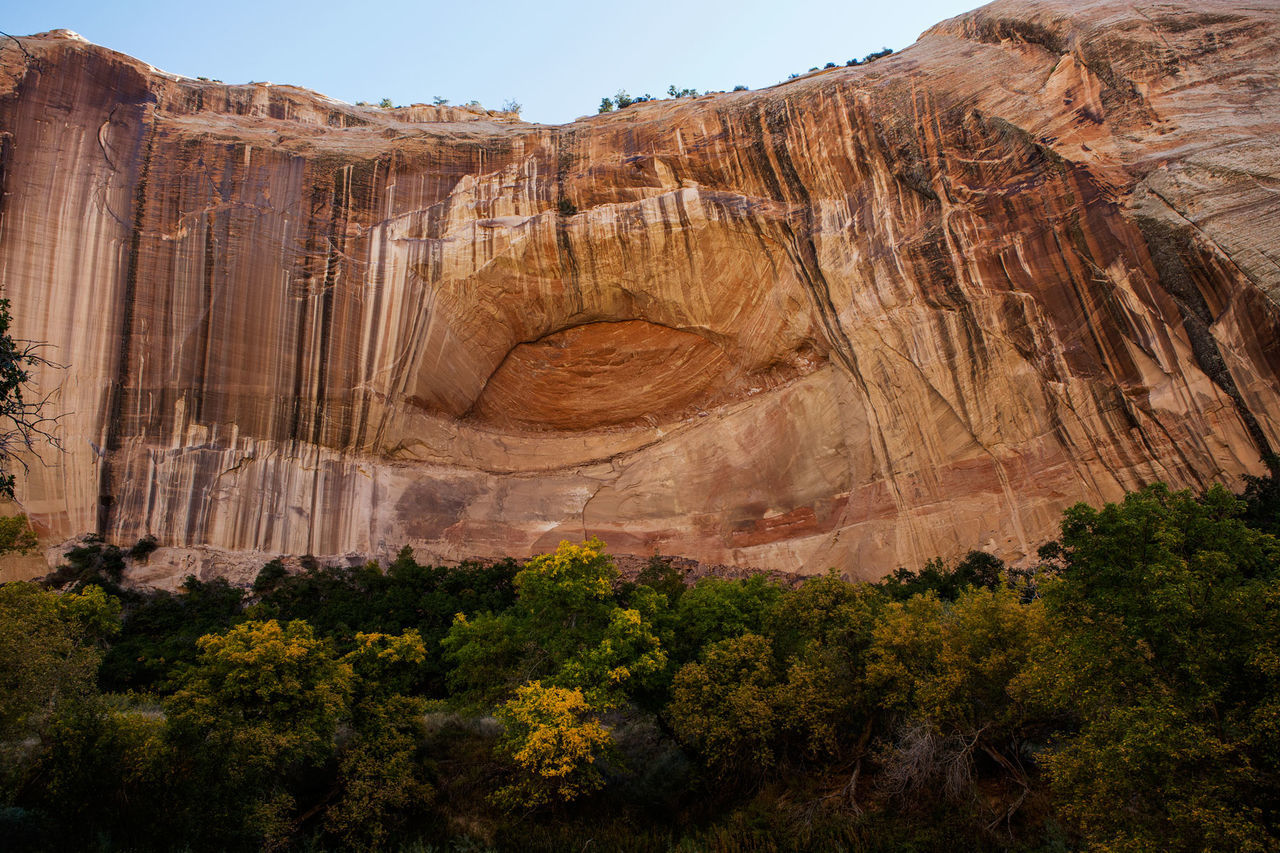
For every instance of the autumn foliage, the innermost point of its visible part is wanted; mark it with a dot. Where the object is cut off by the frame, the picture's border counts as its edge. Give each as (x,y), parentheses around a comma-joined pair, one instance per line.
(1121,693)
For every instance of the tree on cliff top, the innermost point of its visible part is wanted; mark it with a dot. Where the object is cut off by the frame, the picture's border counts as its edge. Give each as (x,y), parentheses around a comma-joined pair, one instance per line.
(24,422)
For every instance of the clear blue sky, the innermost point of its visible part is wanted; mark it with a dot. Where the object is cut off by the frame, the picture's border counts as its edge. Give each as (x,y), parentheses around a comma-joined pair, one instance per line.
(558,58)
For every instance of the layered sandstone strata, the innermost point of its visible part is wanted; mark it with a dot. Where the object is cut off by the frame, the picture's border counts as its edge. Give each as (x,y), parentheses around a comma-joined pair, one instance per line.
(859,319)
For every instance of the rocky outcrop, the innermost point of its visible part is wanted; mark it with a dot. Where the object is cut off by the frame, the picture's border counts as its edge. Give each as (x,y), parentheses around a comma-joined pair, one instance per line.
(859,319)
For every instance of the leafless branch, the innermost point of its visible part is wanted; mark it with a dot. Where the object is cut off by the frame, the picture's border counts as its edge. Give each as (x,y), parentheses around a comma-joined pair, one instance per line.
(26,425)
(18,42)
(921,757)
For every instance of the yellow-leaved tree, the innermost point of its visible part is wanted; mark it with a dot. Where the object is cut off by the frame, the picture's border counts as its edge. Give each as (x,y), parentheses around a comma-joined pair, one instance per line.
(554,740)
(567,652)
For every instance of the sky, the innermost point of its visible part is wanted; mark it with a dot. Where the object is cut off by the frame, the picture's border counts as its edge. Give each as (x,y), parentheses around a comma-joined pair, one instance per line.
(556,58)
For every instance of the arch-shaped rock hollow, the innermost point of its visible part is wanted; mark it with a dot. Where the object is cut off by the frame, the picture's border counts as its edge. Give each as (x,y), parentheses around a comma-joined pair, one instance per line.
(604,374)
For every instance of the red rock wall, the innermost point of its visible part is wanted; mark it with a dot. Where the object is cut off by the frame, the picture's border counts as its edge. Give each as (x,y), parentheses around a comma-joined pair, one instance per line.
(860,319)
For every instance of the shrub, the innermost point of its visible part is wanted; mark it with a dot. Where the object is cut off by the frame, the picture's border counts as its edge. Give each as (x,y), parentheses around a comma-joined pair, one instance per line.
(94,562)
(1262,501)
(270,577)
(16,535)
(144,547)
(622,100)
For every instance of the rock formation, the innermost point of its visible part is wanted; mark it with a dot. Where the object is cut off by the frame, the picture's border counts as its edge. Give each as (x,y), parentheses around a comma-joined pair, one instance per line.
(859,319)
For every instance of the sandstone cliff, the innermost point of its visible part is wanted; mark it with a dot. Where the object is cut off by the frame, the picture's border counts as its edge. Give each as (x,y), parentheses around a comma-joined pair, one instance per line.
(859,319)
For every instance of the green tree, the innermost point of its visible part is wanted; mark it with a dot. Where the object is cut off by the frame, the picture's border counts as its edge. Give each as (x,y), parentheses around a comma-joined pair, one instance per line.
(949,672)
(977,569)
(381,769)
(791,691)
(259,706)
(16,535)
(715,609)
(725,706)
(823,633)
(565,629)
(381,774)
(50,647)
(1161,643)
(490,658)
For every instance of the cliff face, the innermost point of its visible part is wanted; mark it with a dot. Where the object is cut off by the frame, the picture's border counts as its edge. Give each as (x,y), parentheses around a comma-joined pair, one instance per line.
(860,319)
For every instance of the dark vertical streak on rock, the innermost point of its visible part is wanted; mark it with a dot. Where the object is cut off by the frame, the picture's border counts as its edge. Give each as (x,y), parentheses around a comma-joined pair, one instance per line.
(341,180)
(567,258)
(210,263)
(6,161)
(785,181)
(374,310)
(1168,248)
(332,259)
(299,362)
(116,392)
(300,331)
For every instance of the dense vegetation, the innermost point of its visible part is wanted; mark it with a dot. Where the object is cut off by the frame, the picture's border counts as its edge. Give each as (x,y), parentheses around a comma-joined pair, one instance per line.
(1122,695)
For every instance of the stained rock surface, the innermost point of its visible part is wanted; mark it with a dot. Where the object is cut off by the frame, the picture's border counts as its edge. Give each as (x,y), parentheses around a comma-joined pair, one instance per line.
(859,319)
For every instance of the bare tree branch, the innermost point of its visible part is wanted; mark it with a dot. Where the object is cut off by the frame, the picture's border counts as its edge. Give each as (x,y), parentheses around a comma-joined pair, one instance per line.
(26,427)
